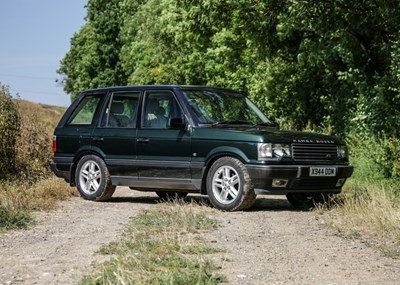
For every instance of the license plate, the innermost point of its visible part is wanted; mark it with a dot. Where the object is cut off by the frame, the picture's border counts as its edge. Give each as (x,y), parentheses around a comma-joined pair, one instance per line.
(322,171)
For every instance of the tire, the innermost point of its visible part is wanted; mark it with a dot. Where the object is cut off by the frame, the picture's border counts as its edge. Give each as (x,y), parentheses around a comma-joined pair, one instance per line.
(93,179)
(229,186)
(308,201)
(171,195)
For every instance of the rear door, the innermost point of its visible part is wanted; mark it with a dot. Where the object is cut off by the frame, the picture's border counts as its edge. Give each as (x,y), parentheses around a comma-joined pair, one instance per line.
(115,136)
(75,136)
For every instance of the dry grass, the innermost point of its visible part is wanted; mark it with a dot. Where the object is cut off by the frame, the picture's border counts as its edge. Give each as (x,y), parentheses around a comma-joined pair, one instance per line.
(162,246)
(370,210)
(41,196)
(369,206)
(18,200)
(29,185)
(33,187)
(34,144)
(49,115)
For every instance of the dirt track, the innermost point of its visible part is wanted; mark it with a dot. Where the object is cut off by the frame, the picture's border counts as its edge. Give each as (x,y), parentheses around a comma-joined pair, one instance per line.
(270,244)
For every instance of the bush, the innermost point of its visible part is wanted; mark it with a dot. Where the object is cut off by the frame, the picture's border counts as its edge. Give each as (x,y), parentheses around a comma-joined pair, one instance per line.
(25,152)
(12,219)
(393,156)
(33,150)
(10,122)
(25,138)
(375,157)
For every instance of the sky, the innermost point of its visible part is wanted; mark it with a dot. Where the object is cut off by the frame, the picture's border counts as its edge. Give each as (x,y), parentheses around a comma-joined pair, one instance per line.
(34,37)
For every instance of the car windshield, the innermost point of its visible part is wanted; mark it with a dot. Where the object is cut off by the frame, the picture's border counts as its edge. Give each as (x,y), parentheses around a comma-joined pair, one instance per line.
(224,107)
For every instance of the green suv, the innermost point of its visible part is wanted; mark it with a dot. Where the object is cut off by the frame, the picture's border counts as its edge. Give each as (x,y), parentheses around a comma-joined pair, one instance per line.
(176,140)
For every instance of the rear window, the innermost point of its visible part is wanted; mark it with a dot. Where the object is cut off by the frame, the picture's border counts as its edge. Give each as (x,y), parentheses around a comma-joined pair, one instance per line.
(84,113)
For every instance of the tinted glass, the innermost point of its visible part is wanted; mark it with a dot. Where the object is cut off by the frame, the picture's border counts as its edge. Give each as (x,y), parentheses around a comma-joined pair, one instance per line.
(159,108)
(121,111)
(219,106)
(84,113)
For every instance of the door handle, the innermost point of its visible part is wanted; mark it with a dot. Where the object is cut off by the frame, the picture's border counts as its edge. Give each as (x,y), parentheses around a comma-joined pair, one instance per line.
(143,140)
(98,139)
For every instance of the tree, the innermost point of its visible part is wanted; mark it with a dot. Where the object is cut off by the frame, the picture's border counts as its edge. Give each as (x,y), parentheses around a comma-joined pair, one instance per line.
(330,64)
(93,59)
(342,54)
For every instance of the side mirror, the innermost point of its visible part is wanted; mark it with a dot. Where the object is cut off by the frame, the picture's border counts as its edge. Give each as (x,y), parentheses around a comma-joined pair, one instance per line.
(176,123)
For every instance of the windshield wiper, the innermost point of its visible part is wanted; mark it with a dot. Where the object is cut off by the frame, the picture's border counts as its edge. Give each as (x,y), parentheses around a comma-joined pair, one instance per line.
(232,122)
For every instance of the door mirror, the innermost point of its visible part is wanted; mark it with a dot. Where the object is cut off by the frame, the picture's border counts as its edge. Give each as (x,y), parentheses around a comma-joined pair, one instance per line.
(176,123)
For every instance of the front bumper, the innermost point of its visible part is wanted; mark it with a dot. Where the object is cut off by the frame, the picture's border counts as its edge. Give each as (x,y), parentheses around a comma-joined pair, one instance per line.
(296,178)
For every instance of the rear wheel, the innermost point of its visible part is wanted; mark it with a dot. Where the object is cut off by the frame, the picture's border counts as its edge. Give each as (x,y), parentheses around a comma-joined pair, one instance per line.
(171,195)
(229,185)
(93,179)
(307,201)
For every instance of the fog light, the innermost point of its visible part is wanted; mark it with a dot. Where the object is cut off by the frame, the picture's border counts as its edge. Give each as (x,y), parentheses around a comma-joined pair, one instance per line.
(340,182)
(279,182)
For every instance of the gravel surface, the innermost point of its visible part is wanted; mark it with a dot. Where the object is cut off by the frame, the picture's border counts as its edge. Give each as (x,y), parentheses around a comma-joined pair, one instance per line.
(270,244)
(274,244)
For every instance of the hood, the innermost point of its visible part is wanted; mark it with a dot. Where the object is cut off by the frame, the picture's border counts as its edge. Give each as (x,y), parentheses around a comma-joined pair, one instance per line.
(272,135)
(277,135)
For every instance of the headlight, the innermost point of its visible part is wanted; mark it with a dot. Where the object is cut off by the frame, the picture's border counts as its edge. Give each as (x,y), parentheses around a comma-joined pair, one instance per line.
(271,151)
(342,151)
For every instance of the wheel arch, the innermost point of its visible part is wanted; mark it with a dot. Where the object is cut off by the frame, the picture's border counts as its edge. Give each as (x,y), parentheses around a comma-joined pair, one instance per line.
(78,156)
(214,156)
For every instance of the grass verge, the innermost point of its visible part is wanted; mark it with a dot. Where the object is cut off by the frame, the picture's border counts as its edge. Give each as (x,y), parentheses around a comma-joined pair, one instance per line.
(18,200)
(369,206)
(161,246)
(369,210)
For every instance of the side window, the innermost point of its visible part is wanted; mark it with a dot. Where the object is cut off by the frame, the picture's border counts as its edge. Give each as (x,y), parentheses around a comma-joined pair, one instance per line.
(121,111)
(84,113)
(159,107)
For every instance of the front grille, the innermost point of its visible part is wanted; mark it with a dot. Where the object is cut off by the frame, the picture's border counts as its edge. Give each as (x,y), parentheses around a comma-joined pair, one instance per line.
(314,152)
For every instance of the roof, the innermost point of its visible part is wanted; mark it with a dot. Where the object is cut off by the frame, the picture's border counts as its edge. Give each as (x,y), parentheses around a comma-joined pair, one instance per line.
(154,87)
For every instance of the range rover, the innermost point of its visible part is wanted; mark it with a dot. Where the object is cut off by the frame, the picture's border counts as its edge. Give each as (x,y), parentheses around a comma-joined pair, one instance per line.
(176,140)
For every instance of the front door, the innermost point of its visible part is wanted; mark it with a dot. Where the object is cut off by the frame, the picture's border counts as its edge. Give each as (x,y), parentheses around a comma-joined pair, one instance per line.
(163,154)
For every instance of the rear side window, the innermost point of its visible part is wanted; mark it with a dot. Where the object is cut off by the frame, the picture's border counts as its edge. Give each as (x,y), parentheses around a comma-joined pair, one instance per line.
(84,113)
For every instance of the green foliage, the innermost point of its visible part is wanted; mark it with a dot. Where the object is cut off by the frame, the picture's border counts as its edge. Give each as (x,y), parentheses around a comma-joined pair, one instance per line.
(393,157)
(375,158)
(10,219)
(93,60)
(341,53)
(10,121)
(368,156)
(331,64)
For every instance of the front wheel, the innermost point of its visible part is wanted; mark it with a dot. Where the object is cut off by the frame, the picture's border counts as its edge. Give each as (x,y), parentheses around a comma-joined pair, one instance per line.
(93,179)
(229,185)
(307,201)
